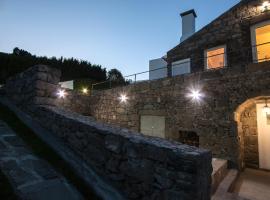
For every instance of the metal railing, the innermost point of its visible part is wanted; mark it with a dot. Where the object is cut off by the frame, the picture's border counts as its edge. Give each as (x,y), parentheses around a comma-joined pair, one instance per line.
(253,53)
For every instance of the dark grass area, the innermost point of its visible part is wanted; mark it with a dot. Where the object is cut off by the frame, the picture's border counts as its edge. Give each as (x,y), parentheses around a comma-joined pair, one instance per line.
(42,150)
(6,191)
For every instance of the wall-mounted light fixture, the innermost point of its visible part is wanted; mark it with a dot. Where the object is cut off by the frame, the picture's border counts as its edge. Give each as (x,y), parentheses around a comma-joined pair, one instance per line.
(266,109)
(195,95)
(265,6)
(123,98)
(61,93)
(85,91)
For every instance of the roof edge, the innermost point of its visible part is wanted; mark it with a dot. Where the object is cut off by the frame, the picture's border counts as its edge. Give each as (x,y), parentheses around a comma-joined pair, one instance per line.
(192,11)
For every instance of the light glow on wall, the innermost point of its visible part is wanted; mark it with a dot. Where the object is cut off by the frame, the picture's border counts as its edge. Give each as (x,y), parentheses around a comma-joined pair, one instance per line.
(266,110)
(265,6)
(123,98)
(61,94)
(85,91)
(195,95)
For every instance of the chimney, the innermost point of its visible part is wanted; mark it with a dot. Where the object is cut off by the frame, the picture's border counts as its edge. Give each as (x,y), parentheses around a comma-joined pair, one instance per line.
(188,24)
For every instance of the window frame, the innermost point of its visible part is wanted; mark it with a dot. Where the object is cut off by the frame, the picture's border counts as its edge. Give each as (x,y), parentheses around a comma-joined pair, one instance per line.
(212,49)
(253,38)
(179,62)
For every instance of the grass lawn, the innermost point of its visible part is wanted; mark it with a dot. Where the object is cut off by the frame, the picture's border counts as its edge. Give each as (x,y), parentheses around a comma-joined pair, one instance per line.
(41,150)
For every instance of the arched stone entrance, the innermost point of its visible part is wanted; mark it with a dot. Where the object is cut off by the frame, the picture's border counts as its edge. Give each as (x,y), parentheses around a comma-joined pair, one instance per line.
(252,132)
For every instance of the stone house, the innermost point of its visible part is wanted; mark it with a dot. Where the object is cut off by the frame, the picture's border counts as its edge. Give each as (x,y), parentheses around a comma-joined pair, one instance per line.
(235,39)
(245,26)
(221,105)
(218,102)
(228,63)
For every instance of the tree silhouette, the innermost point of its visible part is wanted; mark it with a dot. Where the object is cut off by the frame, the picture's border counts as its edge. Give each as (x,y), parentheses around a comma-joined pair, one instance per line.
(115,77)
(72,69)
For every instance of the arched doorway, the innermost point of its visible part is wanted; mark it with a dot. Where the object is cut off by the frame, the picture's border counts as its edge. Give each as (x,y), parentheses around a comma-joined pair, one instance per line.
(254,133)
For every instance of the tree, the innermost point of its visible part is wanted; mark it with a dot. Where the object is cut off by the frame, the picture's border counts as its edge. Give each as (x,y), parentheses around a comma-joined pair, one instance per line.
(116,77)
(21,52)
(72,69)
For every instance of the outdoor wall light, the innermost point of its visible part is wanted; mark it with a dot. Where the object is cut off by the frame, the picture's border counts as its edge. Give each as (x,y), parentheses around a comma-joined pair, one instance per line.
(265,6)
(266,109)
(61,94)
(123,98)
(195,95)
(85,91)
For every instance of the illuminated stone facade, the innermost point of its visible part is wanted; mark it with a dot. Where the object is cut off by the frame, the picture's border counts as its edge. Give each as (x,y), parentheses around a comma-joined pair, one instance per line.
(231,29)
(213,119)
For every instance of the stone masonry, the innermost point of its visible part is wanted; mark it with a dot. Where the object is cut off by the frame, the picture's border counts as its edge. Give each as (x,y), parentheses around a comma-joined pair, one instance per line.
(31,177)
(250,136)
(231,29)
(213,119)
(36,86)
(138,166)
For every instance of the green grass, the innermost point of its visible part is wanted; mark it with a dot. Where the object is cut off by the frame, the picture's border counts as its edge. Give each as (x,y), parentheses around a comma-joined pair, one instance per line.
(42,150)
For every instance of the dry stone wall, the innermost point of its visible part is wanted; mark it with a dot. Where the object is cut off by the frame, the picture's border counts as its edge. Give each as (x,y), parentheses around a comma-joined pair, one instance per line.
(213,119)
(139,167)
(36,86)
(75,101)
(39,85)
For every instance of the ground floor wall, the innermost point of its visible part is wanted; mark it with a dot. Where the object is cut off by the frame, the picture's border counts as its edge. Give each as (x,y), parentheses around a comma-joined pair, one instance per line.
(212,118)
(211,123)
(136,166)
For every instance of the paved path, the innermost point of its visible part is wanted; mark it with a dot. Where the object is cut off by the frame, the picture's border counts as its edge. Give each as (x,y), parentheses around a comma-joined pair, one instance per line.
(31,177)
(254,185)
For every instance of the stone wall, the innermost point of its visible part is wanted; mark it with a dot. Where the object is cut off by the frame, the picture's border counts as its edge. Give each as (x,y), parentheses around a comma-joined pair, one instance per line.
(213,119)
(39,86)
(36,86)
(75,101)
(138,166)
(250,136)
(231,29)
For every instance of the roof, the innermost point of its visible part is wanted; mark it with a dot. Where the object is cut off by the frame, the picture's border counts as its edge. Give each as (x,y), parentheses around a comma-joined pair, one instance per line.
(205,27)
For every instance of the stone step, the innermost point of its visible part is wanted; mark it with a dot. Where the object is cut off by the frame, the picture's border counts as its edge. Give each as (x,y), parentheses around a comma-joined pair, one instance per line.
(32,178)
(224,188)
(220,170)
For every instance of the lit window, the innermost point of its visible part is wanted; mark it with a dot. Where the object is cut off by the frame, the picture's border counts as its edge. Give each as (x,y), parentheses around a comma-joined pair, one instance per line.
(263,43)
(216,57)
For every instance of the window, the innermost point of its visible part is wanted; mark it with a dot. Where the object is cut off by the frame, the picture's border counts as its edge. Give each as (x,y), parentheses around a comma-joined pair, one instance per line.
(181,67)
(260,37)
(215,57)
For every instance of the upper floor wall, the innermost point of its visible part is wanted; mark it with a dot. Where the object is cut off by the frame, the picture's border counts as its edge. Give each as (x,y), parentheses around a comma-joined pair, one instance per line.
(227,39)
